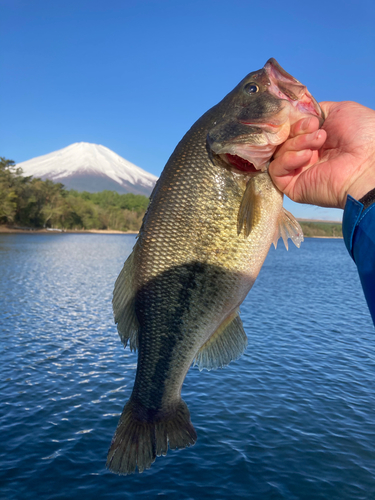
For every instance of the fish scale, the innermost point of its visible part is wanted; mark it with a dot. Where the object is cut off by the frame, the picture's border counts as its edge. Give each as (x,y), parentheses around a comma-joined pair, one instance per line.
(203,240)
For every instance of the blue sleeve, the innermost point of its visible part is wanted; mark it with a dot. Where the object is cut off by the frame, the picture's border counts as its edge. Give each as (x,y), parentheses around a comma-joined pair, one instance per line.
(358,227)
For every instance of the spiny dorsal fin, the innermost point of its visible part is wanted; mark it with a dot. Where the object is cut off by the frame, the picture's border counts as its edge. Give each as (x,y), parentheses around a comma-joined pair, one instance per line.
(288,227)
(123,305)
(248,209)
(226,344)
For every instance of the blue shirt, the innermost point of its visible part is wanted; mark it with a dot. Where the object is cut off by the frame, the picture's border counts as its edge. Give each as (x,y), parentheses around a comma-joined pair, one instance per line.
(358,227)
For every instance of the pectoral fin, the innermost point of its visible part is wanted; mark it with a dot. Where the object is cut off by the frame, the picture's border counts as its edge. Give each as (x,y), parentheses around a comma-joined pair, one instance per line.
(123,305)
(247,213)
(288,227)
(225,345)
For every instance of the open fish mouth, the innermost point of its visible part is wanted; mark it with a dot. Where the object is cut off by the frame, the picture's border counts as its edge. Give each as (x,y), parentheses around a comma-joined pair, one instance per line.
(272,101)
(244,165)
(249,158)
(239,163)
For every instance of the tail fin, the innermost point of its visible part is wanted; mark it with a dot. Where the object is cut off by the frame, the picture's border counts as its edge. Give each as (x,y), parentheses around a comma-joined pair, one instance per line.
(137,443)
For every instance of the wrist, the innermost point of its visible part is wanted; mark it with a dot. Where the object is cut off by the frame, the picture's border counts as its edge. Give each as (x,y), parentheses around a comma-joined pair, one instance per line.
(363,184)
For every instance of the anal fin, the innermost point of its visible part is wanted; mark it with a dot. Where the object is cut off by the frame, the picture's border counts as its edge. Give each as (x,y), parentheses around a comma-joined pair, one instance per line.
(226,344)
(288,227)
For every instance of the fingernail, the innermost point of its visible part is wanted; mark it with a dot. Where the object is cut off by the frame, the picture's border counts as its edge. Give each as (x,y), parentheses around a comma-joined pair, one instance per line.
(313,136)
(317,135)
(305,124)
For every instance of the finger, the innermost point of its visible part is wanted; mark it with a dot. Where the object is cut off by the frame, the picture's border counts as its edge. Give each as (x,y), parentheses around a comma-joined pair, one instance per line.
(312,141)
(290,162)
(304,126)
(286,174)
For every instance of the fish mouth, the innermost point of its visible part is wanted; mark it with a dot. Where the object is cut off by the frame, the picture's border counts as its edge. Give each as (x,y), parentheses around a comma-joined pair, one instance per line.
(285,86)
(248,158)
(240,164)
(247,140)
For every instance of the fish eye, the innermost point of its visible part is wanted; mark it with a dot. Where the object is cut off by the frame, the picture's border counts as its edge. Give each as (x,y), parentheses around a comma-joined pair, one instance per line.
(251,88)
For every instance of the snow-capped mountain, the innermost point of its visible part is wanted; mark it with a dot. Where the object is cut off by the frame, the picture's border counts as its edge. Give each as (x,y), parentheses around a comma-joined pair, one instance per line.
(90,167)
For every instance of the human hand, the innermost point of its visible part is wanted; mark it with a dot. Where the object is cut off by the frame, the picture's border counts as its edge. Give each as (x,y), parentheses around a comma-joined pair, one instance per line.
(321,167)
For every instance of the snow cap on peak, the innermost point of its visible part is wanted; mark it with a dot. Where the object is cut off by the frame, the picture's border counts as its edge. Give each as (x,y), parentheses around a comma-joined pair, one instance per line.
(83,158)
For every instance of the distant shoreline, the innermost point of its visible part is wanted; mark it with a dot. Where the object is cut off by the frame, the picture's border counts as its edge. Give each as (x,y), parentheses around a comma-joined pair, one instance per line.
(7,229)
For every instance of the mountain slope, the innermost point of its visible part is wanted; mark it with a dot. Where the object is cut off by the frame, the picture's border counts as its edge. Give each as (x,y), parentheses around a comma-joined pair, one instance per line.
(90,167)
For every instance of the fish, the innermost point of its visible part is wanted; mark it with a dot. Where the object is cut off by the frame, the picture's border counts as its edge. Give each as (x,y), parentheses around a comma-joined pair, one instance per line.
(211,220)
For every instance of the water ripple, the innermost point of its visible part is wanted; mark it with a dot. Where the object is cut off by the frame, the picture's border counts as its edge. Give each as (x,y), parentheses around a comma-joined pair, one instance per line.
(292,419)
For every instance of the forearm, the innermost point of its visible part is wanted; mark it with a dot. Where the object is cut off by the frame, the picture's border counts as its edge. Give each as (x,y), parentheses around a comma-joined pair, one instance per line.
(359,237)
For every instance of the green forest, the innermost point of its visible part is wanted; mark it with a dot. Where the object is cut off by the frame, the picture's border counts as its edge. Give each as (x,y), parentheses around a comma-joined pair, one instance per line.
(34,203)
(29,202)
(321,229)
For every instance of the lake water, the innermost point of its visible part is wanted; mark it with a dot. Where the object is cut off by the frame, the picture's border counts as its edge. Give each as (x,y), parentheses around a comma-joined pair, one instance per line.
(294,418)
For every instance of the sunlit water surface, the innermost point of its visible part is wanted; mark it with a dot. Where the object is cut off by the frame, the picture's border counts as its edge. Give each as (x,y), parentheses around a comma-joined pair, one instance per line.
(294,418)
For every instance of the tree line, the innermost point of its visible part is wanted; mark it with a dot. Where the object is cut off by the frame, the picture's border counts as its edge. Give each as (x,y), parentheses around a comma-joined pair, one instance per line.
(32,202)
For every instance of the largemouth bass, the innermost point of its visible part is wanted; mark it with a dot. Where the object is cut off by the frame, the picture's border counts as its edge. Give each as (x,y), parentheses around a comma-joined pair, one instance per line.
(211,220)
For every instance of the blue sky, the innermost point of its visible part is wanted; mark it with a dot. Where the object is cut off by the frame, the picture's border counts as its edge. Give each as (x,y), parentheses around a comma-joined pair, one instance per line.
(135,75)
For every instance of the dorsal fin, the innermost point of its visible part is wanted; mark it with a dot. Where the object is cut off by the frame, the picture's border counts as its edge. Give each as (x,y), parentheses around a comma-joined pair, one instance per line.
(226,344)
(123,304)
